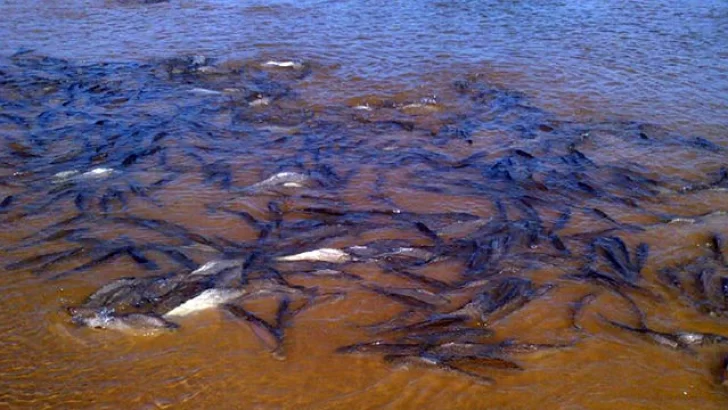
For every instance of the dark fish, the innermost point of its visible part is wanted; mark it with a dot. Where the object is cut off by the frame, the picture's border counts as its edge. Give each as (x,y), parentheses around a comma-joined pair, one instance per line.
(276,213)
(433,362)
(545,128)
(512,347)
(669,277)
(577,309)
(523,154)
(105,201)
(479,260)
(617,286)
(143,193)
(427,281)
(471,160)
(38,208)
(170,229)
(712,291)
(6,202)
(723,372)
(418,298)
(267,334)
(659,338)
(678,341)
(616,253)
(262,227)
(17,148)
(439,320)
(174,254)
(493,304)
(427,232)
(577,158)
(117,297)
(321,211)
(588,189)
(502,211)
(506,297)
(20,52)
(390,324)
(44,260)
(617,224)
(250,261)
(325,273)
(283,314)
(562,220)
(113,254)
(613,283)
(463,335)
(129,160)
(641,255)
(381,347)
(716,245)
(702,143)
(487,353)
(80,201)
(142,260)
(604,216)
(56,225)
(558,243)
(54,236)
(702,282)
(459,350)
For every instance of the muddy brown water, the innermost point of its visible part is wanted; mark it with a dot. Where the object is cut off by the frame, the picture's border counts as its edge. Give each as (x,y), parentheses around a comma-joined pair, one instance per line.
(637,89)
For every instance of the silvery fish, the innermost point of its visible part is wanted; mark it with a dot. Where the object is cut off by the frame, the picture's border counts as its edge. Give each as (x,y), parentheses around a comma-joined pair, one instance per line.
(283,64)
(319,255)
(280,180)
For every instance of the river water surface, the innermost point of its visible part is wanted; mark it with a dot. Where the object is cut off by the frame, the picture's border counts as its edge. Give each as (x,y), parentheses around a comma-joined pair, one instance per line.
(512,140)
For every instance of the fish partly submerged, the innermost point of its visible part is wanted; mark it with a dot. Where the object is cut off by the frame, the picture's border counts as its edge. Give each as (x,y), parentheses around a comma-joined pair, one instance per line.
(283,64)
(96,173)
(148,305)
(280,180)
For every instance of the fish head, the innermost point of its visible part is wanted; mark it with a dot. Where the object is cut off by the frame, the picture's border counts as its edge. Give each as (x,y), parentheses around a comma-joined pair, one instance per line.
(508,289)
(90,317)
(134,323)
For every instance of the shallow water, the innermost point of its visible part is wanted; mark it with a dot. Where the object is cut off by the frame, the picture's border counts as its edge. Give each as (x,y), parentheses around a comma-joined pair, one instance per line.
(656,61)
(540,77)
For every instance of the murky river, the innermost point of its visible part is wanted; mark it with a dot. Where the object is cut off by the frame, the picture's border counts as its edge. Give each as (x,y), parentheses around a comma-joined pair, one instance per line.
(520,204)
